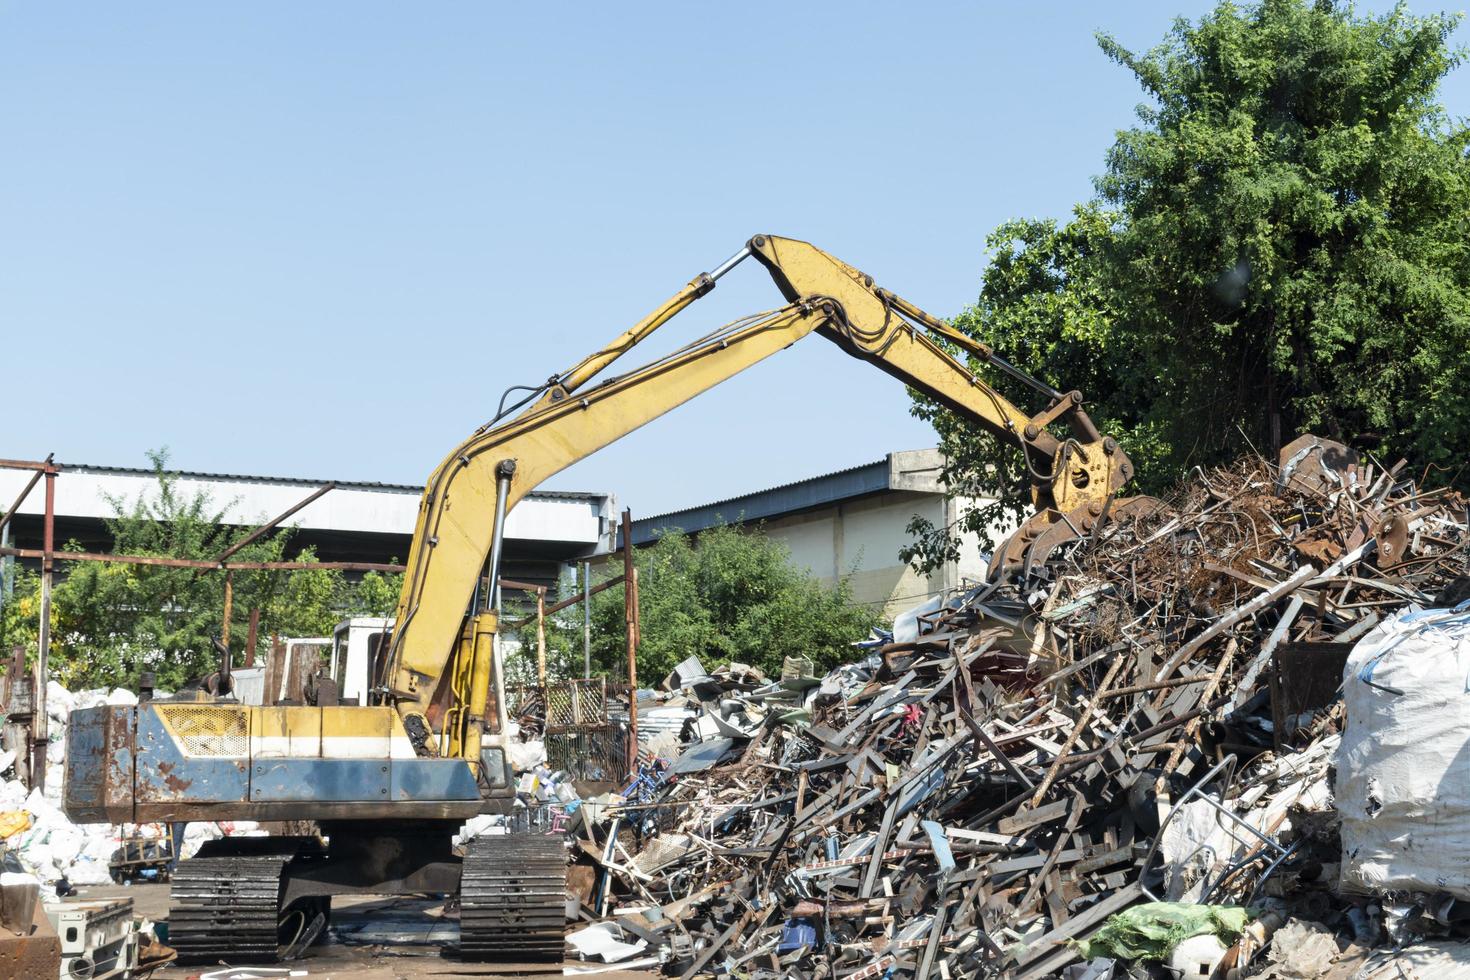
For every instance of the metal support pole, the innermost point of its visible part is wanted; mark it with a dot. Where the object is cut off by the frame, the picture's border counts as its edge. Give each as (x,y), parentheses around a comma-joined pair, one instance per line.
(586,619)
(7,569)
(541,636)
(226,658)
(250,637)
(40,469)
(48,546)
(630,617)
(224,631)
(7,563)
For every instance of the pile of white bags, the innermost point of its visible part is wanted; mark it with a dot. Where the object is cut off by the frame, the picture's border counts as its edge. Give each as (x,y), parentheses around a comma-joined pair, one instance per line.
(53,847)
(1403,769)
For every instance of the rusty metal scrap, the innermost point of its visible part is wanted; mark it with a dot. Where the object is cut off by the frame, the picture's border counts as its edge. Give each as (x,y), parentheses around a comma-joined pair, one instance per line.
(1052,748)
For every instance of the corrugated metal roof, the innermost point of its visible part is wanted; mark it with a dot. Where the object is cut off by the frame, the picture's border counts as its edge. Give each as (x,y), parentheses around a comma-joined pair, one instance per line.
(305,482)
(776,489)
(815,491)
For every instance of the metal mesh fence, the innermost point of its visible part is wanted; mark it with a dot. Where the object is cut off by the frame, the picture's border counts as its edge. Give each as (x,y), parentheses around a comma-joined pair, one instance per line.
(591,754)
(576,703)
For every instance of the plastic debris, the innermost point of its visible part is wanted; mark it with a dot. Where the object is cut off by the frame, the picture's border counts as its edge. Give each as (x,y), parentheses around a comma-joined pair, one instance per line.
(1153,931)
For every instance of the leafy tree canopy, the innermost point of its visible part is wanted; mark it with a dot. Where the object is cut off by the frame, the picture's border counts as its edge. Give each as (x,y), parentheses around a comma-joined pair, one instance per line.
(732,595)
(1278,246)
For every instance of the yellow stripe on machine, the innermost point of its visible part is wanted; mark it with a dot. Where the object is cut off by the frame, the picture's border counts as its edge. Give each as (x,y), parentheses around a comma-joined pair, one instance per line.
(302,732)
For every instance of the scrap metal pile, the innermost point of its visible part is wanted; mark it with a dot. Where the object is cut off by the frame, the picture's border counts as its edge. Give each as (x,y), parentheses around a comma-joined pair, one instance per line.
(978,796)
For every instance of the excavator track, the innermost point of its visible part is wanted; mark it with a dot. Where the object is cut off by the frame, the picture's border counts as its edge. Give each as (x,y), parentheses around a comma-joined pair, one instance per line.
(513,898)
(225,903)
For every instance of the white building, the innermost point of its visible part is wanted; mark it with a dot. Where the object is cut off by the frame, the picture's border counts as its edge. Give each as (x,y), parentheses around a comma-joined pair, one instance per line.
(851,522)
(359,522)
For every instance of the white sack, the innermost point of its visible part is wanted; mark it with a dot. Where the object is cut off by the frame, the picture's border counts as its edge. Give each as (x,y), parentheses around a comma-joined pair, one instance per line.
(59,701)
(1403,768)
(480,826)
(906,623)
(525,756)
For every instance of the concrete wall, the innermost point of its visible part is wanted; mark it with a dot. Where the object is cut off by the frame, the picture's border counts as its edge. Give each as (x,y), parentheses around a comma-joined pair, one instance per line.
(863,538)
(853,522)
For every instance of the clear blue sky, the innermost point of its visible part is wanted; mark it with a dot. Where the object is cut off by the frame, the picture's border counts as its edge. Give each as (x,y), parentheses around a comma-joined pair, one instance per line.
(320,239)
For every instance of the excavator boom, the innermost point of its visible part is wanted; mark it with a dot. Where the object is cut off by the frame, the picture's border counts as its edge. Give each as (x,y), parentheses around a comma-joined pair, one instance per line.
(570,419)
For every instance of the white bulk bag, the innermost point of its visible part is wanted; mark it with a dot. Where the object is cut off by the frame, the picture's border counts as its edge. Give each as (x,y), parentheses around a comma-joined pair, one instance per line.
(1403,768)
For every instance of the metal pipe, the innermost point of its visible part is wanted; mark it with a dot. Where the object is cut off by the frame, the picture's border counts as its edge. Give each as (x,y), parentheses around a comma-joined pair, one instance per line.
(630,618)
(581,596)
(226,659)
(270,525)
(256,566)
(7,568)
(730,263)
(586,619)
(26,492)
(1017,374)
(48,546)
(504,471)
(541,636)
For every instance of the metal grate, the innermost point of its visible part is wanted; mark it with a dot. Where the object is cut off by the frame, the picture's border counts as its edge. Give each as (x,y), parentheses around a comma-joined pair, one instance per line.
(591,754)
(576,703)
(208,731)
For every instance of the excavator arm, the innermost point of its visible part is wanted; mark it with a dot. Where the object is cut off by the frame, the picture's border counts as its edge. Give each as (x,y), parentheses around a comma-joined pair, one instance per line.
(461,516)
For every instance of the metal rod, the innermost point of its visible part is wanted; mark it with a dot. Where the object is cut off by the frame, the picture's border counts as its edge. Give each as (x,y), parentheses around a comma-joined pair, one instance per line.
(7,568)
(224,633)
(1017,374)
(573,600)
(730,263)
(250,638)
(541,636)
(504,470)
(587,619)
(30,485)
(270,525)
(506,583)
(48,547)
(630,617)
(256,566)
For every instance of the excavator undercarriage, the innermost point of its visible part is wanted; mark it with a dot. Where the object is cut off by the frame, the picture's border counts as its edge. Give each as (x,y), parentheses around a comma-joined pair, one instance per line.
(259,899)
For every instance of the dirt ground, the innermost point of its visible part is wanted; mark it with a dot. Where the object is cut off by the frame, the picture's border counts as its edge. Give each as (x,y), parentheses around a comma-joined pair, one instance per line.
(372,939)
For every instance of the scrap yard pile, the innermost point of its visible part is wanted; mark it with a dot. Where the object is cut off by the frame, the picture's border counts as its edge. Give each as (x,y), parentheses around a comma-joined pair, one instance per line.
(1102,760)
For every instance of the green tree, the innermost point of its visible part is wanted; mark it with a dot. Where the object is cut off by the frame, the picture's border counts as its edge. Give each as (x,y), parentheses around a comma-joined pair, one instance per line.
(375,594)
(1278,246)
(730,595)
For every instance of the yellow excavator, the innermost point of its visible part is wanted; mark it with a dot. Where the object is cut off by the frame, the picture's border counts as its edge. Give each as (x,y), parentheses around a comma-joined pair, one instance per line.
(389,783)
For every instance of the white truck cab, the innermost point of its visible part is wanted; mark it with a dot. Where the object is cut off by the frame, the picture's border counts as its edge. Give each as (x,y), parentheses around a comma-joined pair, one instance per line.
(357,649)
